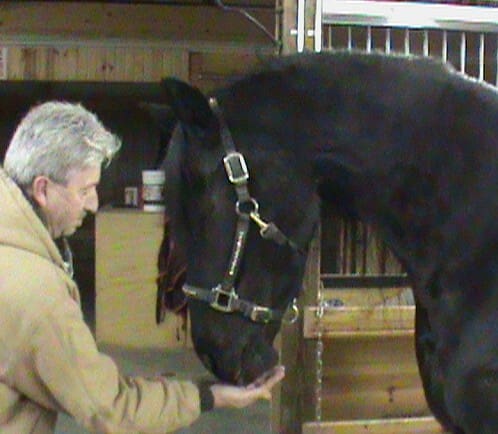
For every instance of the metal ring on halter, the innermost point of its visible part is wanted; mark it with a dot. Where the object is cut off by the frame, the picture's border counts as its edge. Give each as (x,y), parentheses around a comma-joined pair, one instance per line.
(292,313)
(321,307)
(252,201)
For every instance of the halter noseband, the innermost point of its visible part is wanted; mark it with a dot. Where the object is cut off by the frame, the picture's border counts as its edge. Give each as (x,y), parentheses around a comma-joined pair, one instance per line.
(223,297)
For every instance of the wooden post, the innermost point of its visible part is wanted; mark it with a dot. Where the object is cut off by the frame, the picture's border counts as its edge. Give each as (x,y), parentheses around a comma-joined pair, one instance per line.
(309,25)
(289,25)
(295,353)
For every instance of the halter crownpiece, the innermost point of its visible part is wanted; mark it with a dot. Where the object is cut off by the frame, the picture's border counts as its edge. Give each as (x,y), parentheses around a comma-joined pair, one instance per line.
(223,297)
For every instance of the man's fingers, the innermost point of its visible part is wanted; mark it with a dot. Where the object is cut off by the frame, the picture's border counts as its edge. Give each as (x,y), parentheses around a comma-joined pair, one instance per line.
(269,379)
(278,375)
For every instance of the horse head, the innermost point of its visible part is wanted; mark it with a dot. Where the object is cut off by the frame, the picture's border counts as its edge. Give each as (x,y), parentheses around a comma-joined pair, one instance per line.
(244,225)
(403,143)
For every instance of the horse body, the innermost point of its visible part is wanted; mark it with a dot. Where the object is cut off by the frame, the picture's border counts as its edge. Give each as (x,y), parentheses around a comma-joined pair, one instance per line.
(405,144)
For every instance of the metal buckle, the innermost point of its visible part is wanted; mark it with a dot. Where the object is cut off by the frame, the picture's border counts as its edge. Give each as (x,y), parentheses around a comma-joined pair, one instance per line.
(260,314)
(225,297)
(236,167)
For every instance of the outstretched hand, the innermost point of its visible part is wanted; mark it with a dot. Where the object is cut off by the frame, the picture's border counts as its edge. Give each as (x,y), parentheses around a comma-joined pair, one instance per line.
(237,396)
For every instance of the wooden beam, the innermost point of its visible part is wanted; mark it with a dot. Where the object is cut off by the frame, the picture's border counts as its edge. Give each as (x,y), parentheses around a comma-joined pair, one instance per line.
(296,354)
(33,20)
(408,425)
(289,26)
(348,321)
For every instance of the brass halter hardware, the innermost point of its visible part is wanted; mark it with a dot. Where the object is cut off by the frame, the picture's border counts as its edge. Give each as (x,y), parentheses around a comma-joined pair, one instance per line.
(223,297)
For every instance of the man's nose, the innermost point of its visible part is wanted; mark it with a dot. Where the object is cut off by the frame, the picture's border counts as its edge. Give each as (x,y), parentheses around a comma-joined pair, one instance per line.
(92,203)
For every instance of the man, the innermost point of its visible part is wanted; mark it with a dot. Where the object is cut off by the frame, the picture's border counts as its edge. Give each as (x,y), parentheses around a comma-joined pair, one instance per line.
(49,361)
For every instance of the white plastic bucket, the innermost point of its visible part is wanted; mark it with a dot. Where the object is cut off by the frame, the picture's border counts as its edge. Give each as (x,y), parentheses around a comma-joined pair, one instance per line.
(153,190)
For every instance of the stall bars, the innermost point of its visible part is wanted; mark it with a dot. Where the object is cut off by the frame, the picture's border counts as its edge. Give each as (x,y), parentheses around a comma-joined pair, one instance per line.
(466,37)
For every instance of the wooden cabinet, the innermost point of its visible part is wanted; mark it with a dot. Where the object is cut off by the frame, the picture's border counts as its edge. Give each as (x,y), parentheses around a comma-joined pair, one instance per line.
(126,245)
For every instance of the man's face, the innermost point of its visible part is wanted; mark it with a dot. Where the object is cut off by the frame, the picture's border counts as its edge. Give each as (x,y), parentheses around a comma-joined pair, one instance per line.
(65,206)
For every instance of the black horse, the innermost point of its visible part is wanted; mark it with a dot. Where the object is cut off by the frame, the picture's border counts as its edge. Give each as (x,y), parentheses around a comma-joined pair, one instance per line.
(403,143)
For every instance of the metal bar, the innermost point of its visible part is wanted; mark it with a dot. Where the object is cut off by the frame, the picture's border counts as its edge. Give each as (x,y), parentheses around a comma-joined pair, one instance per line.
(318,26)
(331,280)
(369,39)
(496,74)
(463,51)
(300,26)
(388,43)
(444,54)
(426,43)
(410,14)
(481,56)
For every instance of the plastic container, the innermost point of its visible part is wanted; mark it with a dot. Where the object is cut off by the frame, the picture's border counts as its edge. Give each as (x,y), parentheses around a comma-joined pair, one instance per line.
(153,190)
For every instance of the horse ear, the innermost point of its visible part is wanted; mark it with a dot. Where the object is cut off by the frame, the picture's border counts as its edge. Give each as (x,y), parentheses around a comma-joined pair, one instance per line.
(162,115)
(188,103)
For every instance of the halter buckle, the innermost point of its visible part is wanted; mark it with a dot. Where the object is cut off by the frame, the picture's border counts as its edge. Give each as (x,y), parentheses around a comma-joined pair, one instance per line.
(236,168)
(223,300)
(261,314)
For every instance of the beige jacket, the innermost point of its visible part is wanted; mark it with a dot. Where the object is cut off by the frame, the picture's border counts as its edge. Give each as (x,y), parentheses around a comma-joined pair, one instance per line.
(48,357)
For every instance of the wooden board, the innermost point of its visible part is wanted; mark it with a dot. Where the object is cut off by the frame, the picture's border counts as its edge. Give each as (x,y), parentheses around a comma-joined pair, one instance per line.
(409,425)
(127,242)
(367,378)
(369,368)
(34,21)
(346,321)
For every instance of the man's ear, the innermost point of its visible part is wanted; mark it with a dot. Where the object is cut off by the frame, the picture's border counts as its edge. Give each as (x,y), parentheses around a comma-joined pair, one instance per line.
(39,190)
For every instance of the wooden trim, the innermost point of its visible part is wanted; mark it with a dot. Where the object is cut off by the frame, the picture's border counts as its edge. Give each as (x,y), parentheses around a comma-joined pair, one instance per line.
(289,25)
(359,321)
(335,280)
(409,425)
(103,21)
(296,353)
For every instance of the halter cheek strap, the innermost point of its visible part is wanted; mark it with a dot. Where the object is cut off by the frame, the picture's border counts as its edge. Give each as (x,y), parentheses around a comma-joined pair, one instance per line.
(224,297)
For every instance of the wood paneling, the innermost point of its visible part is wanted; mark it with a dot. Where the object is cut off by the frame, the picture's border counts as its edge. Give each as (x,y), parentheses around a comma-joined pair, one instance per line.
(369,378)
(369,368)
(70,21)
(138,64)
(126,247)
(96,63)
(360,321)
(209,70)
(352,247)
(89,41)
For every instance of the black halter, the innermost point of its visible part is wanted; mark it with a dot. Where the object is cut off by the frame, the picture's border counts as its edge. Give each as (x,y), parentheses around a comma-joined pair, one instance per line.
(223,297)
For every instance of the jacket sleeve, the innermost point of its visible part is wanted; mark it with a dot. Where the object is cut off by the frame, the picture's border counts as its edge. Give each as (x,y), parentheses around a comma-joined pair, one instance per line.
(63,369)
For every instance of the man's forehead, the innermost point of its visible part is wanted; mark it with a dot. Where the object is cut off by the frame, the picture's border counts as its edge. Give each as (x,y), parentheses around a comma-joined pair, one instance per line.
(84,177)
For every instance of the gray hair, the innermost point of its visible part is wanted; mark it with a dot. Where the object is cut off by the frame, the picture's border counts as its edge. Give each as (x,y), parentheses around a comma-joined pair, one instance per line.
(53,139)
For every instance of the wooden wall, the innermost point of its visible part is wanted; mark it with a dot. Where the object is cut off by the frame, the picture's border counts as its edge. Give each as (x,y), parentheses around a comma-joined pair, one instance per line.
(85,41)
(110,57)
(113,56)
(151,23)
(126,245)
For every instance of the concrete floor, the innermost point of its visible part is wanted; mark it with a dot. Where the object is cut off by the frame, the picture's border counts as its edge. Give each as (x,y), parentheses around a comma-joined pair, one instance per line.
(183,364)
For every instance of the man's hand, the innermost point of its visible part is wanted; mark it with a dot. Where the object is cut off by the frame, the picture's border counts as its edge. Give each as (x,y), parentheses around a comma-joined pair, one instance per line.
(234,396)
